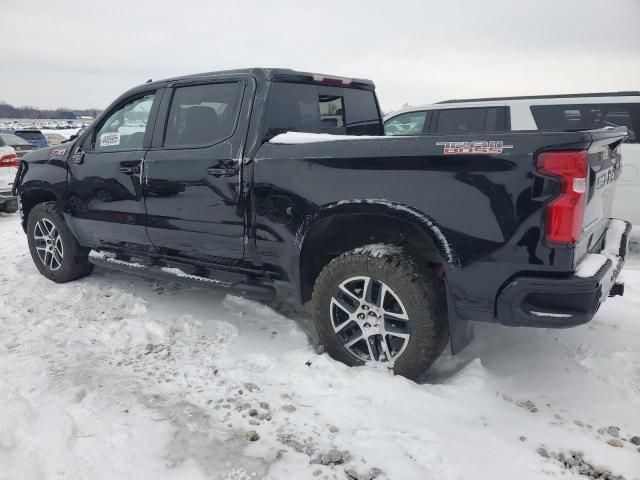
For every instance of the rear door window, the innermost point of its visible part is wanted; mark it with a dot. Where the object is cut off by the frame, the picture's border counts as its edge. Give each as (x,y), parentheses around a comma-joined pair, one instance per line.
(202,115)
(321,109)
(410,123)
(464,120)
(586,117)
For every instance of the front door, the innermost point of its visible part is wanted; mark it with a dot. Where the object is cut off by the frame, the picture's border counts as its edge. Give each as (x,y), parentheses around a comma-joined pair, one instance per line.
(192,172)
(105,205)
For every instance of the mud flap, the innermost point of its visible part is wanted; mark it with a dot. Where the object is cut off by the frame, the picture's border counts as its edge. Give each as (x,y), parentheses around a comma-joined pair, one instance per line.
(461,330)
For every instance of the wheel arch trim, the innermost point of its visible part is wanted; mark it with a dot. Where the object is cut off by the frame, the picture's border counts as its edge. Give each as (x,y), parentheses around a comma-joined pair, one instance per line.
(424,222)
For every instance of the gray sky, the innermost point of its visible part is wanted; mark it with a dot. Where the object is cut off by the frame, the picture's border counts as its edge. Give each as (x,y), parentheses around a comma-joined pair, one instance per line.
(84,54)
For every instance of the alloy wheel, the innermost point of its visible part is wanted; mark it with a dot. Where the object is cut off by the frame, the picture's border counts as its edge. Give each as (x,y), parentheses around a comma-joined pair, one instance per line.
(370,320)
(48,244)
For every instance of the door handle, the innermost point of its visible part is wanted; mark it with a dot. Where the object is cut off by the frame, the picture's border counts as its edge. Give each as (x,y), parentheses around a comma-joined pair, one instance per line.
(130,170)
(222,172)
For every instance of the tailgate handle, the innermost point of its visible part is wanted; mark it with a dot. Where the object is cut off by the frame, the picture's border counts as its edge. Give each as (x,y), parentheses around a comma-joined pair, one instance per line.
(222,172)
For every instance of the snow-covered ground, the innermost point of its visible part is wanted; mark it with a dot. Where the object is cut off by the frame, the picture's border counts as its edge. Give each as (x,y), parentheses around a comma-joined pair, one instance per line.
(118,377)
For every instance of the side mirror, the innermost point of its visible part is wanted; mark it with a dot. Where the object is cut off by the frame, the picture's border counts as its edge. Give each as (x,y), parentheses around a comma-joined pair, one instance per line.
(77,157)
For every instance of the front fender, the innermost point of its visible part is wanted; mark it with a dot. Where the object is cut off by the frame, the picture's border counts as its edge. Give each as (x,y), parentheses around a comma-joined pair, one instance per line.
(41,178)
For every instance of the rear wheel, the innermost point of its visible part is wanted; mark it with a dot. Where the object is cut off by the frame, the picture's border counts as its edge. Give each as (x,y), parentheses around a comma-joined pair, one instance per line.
(55,252)
(377,305)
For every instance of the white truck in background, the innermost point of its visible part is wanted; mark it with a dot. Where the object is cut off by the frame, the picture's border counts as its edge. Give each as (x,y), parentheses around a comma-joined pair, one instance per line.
(549,112)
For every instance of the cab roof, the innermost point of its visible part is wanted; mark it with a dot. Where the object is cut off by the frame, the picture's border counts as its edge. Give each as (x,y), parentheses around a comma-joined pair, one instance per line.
(275,75)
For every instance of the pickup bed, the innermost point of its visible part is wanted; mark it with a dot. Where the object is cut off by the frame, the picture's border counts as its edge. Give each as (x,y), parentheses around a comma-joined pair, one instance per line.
(241,180)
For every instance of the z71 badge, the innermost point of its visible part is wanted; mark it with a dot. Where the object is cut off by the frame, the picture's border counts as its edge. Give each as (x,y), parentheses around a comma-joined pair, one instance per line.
(474,148)
(59,152)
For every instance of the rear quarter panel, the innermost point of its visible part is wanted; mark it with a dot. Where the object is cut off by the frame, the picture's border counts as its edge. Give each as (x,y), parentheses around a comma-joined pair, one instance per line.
(487,207)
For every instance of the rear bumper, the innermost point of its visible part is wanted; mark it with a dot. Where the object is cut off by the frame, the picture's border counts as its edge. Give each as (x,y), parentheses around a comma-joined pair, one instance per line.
(567,301)
(8,203)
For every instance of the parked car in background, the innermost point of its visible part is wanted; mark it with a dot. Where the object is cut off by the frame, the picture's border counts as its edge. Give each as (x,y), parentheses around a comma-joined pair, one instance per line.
(553,112)
(55,138)
(8,168)
(33,136)
(20,145)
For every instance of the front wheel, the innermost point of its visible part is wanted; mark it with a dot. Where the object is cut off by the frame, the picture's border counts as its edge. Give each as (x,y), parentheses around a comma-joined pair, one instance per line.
(54,250)
(376,304)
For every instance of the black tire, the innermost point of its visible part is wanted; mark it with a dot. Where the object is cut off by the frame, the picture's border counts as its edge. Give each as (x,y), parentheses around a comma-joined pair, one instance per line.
(420,291)
(75,263)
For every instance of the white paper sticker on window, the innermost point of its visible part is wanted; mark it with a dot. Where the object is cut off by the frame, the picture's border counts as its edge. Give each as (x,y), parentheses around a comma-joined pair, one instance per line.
(109,139)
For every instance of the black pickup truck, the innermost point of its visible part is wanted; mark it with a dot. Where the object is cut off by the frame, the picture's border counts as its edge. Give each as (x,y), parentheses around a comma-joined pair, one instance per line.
(238,180)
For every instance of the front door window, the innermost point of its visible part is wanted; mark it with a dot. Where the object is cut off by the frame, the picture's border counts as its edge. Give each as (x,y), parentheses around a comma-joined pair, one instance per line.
(124,129)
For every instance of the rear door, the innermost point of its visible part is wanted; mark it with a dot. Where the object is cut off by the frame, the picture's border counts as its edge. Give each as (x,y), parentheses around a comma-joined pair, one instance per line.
(192,174)
(104,201)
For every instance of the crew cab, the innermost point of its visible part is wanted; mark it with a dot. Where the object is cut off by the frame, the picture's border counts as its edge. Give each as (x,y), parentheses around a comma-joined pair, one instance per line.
(243,180)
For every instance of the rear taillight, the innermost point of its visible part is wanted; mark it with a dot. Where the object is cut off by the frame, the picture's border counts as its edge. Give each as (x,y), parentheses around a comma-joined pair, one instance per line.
(9,160)
(565,213)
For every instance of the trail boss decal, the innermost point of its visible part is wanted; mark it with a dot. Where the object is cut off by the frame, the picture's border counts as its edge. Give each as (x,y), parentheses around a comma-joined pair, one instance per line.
(473,148)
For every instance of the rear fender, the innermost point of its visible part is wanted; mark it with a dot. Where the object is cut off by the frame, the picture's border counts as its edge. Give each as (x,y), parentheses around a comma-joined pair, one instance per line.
(381,207)
(311,238)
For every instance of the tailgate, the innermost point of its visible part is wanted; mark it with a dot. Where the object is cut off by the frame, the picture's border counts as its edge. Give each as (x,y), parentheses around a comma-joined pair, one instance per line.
(603,171)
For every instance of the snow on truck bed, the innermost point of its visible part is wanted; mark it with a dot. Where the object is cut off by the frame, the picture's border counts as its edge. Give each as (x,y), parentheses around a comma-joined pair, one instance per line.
(295,138)
(118,377)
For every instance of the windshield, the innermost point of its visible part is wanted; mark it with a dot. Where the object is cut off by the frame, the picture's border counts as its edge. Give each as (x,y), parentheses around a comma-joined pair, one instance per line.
(11,139)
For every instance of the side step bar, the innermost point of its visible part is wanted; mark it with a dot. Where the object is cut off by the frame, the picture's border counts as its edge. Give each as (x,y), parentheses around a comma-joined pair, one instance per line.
(264,293)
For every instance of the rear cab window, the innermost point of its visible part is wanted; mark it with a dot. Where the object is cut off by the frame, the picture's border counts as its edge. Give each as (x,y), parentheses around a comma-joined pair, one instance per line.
(310,108)
(588,117)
